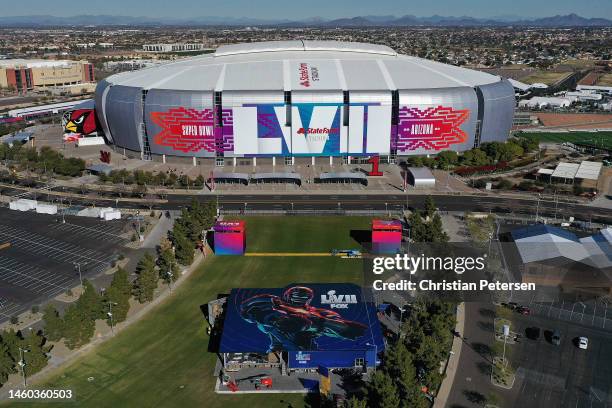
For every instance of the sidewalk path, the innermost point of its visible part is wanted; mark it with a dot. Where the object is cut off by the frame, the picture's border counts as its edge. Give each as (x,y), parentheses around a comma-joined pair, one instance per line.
(451,368)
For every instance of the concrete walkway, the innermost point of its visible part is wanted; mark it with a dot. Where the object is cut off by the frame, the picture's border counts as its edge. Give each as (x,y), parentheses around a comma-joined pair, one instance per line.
(453,361)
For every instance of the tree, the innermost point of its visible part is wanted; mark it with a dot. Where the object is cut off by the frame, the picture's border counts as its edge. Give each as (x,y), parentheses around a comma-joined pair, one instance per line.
(36,358)
(354,402)
(184,248)
(382,392)
(166,262)
(53,323)
(90,302)
(78,328)
(7,363)
(430,207)
(118,293)
(146,280)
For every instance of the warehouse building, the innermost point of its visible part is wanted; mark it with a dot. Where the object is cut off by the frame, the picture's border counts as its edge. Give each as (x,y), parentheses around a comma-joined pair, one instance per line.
(302,101)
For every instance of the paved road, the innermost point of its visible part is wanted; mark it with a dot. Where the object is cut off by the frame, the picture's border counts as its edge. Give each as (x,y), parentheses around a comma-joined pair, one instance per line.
(374,202)
(473,369)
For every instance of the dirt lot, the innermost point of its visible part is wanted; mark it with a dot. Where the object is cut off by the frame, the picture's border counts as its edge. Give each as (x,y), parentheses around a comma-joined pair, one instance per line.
(576,120)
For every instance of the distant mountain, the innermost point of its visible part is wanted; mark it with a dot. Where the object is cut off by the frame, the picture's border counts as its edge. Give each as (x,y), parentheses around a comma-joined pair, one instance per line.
(570,20)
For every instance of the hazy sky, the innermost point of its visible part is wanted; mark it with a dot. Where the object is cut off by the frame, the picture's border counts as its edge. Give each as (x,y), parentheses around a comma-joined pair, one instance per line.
(302,9)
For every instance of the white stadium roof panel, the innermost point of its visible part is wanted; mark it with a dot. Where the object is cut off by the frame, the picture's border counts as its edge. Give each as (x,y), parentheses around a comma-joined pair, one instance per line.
(264,46)
(196,78)
(363,75)
(589,170)
(566,170)
(261,75)
(340,66)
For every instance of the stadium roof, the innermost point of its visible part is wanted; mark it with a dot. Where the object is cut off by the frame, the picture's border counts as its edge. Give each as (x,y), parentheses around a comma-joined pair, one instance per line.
(281,66)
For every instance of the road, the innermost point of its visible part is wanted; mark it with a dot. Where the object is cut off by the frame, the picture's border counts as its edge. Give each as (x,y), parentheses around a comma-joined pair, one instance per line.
(350,202)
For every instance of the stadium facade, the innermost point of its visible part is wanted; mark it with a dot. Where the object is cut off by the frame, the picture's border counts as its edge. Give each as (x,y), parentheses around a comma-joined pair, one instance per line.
(302,99)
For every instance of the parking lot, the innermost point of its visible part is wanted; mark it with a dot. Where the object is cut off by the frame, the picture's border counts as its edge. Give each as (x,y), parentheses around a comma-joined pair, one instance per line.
(44,254)
(563,375)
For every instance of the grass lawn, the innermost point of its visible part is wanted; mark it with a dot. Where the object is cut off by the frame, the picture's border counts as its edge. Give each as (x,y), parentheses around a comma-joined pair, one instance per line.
(603,139)
(162,360)
(545,77)
(605,80)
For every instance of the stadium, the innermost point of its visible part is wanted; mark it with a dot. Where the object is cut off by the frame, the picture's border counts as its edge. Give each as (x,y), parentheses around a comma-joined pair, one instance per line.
(301,99)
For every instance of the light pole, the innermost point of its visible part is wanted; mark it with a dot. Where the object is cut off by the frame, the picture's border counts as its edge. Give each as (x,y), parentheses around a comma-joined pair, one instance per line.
(77,266)
(506,333)
(387,212)
(170,275)
(22,364)
(110,315)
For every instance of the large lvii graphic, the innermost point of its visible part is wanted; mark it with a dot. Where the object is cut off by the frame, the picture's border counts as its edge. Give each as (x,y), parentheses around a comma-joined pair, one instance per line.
(316,129)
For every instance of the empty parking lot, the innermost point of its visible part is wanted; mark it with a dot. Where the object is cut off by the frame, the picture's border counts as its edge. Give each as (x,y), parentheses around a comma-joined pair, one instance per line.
(44,253)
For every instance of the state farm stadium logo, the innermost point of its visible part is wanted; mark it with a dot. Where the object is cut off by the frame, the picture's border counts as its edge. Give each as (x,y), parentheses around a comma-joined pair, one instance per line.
(430,129)
(318,131)
(307,74)
(338,301)
(186,130)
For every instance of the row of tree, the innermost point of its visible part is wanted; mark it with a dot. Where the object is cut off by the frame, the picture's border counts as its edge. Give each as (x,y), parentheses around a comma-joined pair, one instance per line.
(149,178)
(45,160)
(487,154)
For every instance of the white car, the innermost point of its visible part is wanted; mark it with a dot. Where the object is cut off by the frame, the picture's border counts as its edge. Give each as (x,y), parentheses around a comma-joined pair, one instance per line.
(583,343)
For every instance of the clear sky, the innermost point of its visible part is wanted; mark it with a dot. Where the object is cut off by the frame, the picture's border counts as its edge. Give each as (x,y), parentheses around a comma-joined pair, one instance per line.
(303,9)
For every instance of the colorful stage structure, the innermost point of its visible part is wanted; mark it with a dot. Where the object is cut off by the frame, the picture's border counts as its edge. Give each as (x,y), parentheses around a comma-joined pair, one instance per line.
(386,236)
(230,238)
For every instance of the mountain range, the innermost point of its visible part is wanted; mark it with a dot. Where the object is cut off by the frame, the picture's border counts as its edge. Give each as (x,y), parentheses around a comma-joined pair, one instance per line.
(570,20)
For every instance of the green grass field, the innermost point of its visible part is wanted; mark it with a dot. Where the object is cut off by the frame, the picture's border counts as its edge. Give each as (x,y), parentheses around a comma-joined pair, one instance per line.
(162,360)
(601,139)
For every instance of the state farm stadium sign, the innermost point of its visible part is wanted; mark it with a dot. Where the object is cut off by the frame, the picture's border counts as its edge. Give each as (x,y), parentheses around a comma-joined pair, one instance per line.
(315,129)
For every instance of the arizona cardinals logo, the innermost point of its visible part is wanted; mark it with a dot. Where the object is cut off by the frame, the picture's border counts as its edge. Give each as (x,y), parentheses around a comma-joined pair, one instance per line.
(80,121)
(431,129)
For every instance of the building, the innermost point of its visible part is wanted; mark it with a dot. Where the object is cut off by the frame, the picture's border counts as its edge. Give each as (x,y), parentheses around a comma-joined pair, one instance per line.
(302,100)
(421,177)
(554,257)
(178,47)
(545,102)
(51,109)
(24,75)
(299,328)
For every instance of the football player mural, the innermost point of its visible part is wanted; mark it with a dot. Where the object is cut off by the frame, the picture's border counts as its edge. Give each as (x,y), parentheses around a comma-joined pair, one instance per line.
(79,123)
(292,323)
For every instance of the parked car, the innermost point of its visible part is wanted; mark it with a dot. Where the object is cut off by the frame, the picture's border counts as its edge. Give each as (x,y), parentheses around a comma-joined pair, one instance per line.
(524,310)
(532,333)
(583,343)
(556,338)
